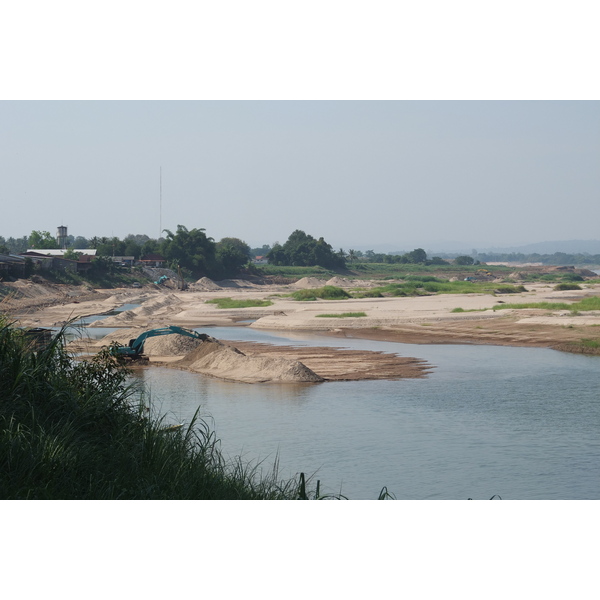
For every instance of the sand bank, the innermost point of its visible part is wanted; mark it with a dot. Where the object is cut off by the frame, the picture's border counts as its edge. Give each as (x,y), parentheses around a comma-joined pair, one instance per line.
(423,319)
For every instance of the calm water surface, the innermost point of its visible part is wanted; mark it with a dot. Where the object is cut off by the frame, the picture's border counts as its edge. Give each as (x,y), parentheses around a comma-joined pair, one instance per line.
(519,422)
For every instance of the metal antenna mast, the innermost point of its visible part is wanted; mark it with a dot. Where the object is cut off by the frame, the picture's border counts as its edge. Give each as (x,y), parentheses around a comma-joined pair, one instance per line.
(160,207)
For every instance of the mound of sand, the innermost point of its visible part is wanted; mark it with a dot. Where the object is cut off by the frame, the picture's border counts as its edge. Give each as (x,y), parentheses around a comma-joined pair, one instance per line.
(205,284)
(308,283)
(162,305)
(338,282)
(215,359)
(164,345)
(237,283)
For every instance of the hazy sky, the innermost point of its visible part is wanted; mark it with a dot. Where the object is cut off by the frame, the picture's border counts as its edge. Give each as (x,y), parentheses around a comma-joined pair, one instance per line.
(358,173)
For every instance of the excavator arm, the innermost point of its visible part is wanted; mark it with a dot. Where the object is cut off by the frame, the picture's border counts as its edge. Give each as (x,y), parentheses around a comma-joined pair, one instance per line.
(136,346)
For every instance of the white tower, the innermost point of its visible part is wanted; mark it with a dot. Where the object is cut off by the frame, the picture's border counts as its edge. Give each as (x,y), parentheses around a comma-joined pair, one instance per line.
(61,237)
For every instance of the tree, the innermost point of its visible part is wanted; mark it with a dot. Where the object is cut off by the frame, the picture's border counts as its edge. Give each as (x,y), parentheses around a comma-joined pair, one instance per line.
(70,254)
(232,254)
(262,251)
(464,260)
(42,240)
(80,242)
(191,249)
(18,245)
(305,251)
(437,260)
(418,255)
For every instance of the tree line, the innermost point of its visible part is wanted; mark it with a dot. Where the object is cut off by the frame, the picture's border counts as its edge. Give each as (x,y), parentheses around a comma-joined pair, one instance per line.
(190,249)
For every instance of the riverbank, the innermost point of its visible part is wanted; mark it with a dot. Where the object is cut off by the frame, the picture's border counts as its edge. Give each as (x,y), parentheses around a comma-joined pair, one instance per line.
(433,319)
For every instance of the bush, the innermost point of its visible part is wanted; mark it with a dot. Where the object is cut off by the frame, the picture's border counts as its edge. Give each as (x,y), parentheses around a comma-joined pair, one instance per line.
(368,294)
(327,292)
(561,287)
(510,289)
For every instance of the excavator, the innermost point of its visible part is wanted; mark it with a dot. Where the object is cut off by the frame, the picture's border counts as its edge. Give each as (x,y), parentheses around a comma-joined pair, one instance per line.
(136,346)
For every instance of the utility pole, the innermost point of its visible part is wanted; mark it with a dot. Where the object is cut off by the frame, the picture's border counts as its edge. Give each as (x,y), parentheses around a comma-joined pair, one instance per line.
(160,207)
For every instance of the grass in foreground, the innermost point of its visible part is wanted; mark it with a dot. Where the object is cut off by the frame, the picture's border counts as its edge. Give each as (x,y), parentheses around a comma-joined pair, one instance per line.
(230,303)
(345,315)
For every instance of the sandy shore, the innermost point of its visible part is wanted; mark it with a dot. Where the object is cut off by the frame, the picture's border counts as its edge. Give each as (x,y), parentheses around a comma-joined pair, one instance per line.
(424,319)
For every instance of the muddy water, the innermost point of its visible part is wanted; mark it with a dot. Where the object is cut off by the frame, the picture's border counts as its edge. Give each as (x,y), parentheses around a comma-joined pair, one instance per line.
(519,422)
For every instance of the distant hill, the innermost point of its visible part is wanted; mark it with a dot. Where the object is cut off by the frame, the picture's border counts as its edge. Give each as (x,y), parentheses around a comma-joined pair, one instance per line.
(568,247)
(454,247)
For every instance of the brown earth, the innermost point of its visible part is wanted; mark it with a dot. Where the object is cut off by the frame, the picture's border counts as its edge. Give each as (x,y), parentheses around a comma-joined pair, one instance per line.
(340,364)
(504,330)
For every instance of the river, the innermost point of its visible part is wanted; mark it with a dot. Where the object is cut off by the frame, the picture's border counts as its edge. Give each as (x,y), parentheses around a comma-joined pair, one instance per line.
(518,422)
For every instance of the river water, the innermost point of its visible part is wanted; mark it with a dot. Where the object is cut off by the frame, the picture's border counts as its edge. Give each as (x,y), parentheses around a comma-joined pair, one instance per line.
(519,422)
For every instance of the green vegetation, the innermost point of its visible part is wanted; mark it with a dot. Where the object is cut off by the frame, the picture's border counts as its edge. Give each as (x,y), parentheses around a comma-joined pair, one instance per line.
(201,256)
(510,289)
(292,273)
(304,250)
(327,292)
(230,303)
(76,430)
(367,294)
(426,285)
(592,303)
(345,315)
(42,240)
(566,286)
(583,346)
(589,343)
(464,260)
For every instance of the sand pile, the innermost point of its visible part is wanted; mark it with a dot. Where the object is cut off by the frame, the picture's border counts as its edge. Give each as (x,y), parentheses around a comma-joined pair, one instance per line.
(151,308)
(339,282)
(215,359)
(309,282)
(165,345)
(237,283)
(205,284)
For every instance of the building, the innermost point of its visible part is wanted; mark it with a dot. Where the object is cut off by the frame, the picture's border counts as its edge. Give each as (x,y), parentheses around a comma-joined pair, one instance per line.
(11,266)
(152,260)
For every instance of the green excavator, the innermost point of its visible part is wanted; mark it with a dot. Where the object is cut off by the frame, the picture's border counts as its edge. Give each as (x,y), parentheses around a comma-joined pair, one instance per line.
(136,346)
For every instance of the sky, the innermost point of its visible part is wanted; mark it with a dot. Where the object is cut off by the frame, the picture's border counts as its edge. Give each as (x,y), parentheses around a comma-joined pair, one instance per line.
(362,174)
